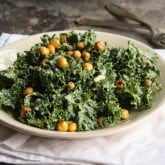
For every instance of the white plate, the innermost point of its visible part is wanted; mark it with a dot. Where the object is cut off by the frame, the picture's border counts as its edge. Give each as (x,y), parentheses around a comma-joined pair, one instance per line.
(114,41)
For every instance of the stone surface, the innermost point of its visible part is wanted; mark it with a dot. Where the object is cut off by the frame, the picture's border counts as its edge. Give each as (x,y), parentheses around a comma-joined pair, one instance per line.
(30,17)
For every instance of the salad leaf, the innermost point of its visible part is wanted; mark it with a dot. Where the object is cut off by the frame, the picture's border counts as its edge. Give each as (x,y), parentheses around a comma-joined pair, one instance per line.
(118,78)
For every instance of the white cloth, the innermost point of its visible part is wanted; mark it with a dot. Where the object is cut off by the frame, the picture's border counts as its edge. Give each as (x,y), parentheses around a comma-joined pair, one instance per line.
(143,145)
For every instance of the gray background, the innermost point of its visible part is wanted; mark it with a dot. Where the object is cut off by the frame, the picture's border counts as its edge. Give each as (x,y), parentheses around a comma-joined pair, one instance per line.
(30,17)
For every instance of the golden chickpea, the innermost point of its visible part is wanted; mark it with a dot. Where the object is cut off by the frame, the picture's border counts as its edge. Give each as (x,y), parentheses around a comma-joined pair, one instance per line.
(63,37)
(55,43)
(147,82)
(51,49)
(88,66)
(125,114)
(76,54)
(100,119)
(62,125)
(35,68)
(120,84)
(80,45)
(44,51)
(72,127)
(44,61)
(100,45)
(28,90)
(86,56)
(24,110)
(69,53)
(62,62)
(71,85)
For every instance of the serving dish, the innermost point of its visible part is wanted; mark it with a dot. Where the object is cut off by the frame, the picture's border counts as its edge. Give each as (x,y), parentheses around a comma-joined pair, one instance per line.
(8,55)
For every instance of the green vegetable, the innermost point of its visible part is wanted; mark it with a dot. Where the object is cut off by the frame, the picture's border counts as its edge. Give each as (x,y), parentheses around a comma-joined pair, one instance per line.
(96,101)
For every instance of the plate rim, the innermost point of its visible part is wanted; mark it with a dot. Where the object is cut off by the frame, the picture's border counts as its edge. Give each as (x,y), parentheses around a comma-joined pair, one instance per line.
(24,128)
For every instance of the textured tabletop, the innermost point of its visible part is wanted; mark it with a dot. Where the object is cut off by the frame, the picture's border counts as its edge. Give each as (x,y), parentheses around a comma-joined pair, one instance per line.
(29,17)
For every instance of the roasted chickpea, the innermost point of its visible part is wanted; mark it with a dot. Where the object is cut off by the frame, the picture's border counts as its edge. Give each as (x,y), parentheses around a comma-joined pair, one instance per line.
(86,56)
(55,43)
(76,54)
(24,110)
(62,125)
(63,37)
(62,62)
(35,68)
(125,114)
(88,66)
(51,49)
(147,82)
(80,45)
(120,84)
(72,127)
(71,85)
(28,90)
(44,61)
(101,119)
(100,45)
(69,53)
(44,51)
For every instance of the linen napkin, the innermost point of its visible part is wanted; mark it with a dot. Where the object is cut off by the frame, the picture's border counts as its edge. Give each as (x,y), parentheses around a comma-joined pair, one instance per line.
(140,145)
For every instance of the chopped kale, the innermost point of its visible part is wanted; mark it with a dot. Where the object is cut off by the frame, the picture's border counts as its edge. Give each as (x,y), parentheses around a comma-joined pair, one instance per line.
(110,81)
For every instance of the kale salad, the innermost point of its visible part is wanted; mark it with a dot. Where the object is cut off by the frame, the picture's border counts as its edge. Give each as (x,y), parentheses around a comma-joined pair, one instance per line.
(73,82)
